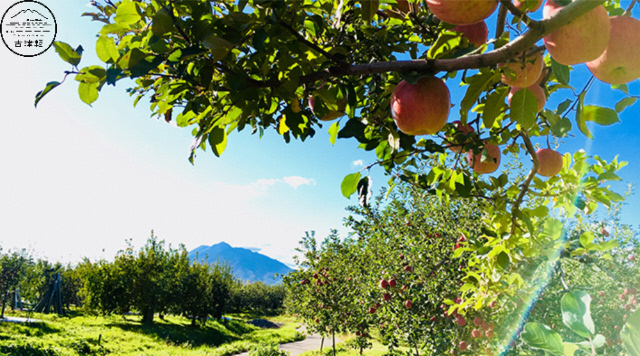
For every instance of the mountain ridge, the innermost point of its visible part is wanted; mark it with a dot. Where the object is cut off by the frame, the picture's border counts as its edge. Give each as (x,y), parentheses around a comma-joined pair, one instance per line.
(247,265)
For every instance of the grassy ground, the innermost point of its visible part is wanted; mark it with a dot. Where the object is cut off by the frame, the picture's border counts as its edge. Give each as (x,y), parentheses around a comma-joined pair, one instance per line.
(97,335)
(342,349)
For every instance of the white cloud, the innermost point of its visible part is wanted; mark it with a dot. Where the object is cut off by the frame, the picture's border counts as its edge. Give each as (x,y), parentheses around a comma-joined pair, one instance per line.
(263,184)
(358,163)
(296,181)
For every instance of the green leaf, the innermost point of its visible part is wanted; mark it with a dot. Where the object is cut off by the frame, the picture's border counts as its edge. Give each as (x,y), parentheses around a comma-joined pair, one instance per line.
(67,53)
(563,106)
(350,184)
(446,43)
(106,49)
(630,334)
(622,87)
(333,132)
(88,92)
(45,91)
(494,106)
(561,71)
(503,260)
(477,84)
(586,238)
(524,107)
(127,13)
(598,342)
(600,115)
(570,348)
(369,9)
(622,104)
(576,314)
(162,23)
(218,140)
(580,119)
(218,46)
(540,336)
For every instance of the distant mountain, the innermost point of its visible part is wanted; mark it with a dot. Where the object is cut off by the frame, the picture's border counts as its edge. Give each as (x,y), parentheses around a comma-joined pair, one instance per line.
(246,264)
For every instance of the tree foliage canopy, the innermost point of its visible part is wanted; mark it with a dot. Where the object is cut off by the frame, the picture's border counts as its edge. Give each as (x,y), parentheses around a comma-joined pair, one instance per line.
(221,67)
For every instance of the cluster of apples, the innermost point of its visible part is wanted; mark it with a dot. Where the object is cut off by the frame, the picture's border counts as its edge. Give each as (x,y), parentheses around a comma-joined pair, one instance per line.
(610,47)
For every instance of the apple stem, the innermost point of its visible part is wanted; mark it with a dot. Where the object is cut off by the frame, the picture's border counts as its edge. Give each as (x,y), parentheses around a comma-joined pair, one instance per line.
(532,24)
(548,145)
(627,12)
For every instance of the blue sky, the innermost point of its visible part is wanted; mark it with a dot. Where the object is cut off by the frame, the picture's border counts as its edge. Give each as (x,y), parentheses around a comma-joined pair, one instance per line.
(76,180)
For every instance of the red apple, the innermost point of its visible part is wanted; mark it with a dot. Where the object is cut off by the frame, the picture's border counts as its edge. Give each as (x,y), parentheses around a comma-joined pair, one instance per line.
(392,283)
(372,310)
(476,333)
(463,346)
(582,40)
(462,12)
(490,164)
(461,321)
(631,258)
(433,318)
(477,321)
(523,72)
(604,232)
(408,304)
(618,64)
(550,162)
(536,90)
(407,268)
(485,326)
(476,33)
(386,297)
(384,284)
(421,108)
(489,334)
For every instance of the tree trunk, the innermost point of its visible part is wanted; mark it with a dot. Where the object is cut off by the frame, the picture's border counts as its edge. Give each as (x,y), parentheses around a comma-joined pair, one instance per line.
(321,343)
(333,336)
(4,303)
(147,316)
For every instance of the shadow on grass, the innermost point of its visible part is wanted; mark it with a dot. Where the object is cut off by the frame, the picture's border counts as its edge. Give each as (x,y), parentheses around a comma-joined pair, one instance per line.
(212,334)
(29,329)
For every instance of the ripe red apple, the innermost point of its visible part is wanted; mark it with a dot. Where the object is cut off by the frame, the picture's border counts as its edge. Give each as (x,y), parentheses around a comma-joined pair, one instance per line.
(489,165)
(536,90)
(490,334)
(407,268)
(433,318)
(485,326)
(631,258)
(626,291)
(392,283)
(604,232)
(463,346)
(401,257)
(372,310)
(462,12)
(408,304)
(421,108)
(384,284)
(492,304)
(521,5)
(618,64)
(386,297)
(523,73)
(622,296)
(315,275)
(477,33)
(477,321)
(550,162)
(461,321)
(582,40)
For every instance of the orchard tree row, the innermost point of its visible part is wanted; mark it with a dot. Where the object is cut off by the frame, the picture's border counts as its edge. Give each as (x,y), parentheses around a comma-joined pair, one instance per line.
(154,280)
(404,277)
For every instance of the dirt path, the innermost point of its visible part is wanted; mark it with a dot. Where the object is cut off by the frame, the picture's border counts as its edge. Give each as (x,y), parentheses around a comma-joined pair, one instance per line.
(311,342)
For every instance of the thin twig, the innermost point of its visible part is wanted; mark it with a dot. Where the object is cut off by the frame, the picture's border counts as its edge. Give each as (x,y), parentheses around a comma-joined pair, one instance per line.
(627,12)
(310,44)
(525,186)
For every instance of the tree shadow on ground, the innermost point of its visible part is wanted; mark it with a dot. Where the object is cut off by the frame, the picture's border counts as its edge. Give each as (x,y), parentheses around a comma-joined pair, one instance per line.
(212,334)
(29,329)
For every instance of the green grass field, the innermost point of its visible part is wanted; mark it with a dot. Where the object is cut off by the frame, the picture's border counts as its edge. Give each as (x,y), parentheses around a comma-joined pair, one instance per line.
(98,335)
